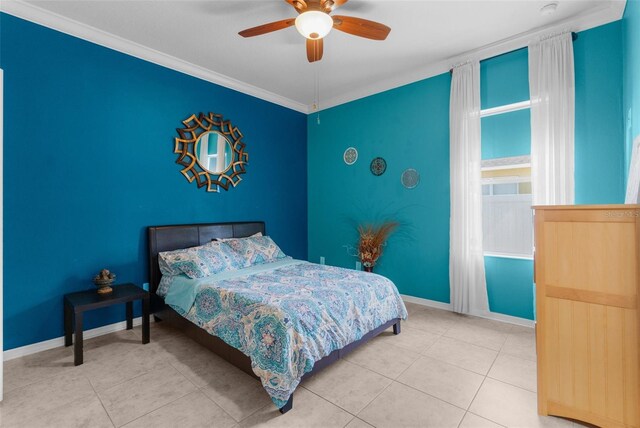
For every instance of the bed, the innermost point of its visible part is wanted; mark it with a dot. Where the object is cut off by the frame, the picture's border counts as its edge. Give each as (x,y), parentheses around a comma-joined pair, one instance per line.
(273,292)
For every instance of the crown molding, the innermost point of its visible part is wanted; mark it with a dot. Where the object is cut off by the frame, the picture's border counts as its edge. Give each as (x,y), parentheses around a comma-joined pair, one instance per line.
(594,18)
(604,15)
(86,32)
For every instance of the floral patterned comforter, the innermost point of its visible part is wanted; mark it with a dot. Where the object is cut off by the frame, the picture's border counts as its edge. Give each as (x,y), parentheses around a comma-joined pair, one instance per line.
(287,318)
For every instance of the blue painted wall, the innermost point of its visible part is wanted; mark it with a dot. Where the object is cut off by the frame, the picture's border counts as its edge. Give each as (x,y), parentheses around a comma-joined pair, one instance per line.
(599,155)
(510,286)
(504,79)
(89,163)
(409,127)
(631,73)
(507,134)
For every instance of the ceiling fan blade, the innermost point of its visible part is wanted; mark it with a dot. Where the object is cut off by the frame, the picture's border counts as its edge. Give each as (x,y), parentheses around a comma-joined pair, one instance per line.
(329,5)
(267,28)
(299,5)
(314,50)
(361,27)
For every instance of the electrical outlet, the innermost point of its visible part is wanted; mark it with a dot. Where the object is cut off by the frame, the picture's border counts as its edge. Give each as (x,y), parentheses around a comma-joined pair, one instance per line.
(358,266)
(145,286)
(321,260)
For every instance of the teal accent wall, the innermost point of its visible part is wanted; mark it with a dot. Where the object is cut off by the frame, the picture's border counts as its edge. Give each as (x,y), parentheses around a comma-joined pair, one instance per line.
(599,154)
(510,286)
(631,74)
(89,164)
(506,135)
(409,127)
(504,79)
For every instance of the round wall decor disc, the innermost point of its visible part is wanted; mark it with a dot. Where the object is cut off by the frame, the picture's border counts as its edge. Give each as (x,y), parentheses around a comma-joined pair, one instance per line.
(410,178)
(350,156)
(378,166)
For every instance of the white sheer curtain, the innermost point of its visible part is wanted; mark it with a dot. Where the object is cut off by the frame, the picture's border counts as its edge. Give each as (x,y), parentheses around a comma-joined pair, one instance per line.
(552,87)
(466,261)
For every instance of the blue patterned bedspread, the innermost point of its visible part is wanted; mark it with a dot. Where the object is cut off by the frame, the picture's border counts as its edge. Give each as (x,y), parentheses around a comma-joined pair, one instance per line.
(287,317)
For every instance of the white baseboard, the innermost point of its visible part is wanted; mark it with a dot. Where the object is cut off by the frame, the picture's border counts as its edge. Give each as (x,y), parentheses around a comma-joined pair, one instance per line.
(508,319)
(488,315)
(59,341)
(426,302)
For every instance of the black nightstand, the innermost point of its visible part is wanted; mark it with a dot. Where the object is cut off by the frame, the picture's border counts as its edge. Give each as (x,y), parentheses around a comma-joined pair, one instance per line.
(75,304)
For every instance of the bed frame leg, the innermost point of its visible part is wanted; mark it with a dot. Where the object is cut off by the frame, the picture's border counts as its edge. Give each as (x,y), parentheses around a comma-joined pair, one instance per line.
(284,409)
(396,328)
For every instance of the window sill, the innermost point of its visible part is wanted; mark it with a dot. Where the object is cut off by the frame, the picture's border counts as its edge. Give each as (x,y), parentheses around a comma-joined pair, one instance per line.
(509,256)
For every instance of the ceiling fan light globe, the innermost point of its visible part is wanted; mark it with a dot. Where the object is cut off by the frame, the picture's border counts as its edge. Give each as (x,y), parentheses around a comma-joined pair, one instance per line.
(314,24)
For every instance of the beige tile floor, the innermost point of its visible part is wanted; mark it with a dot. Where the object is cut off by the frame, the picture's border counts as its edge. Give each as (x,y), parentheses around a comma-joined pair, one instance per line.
(444,370)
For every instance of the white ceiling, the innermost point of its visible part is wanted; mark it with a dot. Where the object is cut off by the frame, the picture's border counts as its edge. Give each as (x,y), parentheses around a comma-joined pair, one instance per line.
(427,37)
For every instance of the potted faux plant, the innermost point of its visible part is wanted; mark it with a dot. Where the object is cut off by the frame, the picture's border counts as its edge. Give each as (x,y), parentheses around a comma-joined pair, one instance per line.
(371,243)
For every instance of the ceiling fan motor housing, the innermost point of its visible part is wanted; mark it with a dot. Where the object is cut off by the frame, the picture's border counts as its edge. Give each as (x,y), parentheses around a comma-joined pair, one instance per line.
(314,23)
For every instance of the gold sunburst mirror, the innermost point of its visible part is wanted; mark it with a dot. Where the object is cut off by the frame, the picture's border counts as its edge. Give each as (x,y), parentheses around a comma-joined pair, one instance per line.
(211,151)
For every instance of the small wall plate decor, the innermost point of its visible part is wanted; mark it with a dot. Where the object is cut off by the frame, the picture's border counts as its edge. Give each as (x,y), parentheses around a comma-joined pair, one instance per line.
(410,178)
(350,156)
(378,166)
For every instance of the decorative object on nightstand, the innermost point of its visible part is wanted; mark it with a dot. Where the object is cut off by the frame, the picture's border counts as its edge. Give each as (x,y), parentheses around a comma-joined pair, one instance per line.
(378,166)
(75,304)
(103,281)
(350,156)
(371,243)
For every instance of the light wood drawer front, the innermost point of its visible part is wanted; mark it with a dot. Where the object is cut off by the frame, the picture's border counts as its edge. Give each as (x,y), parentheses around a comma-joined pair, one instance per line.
(595,257)
(591,359)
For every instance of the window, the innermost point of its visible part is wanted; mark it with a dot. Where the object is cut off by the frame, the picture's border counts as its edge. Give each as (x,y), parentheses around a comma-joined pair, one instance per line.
(506,207)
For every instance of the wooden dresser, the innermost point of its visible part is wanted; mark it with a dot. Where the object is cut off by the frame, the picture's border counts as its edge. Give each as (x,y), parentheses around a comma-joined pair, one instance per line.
(587,289)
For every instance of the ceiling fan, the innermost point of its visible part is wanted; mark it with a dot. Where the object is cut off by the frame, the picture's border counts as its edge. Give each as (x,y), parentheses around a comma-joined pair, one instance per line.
(314,23)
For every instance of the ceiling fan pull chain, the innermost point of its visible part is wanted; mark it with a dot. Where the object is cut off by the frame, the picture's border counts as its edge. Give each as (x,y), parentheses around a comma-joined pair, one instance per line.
(317,94)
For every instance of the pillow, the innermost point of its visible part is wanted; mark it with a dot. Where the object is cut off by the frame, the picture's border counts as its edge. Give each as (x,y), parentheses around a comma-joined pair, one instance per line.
(256,250)
(199,262)
(255,235)
(165,283)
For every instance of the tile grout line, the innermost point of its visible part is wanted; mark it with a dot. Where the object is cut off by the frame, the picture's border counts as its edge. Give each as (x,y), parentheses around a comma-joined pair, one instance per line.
(481,385)
(200,389)
(484,417)
(157,408)
(381,374)
(436,398)
(330,402)
(477,391)
(100,400)
(122,382)
(250,414)
(369,403)
(511,384)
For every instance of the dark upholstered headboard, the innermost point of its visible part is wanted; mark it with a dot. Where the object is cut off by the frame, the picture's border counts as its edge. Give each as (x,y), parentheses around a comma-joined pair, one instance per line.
(168,238)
